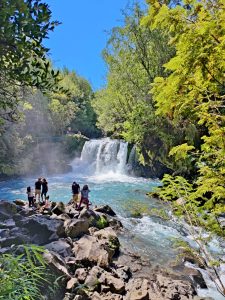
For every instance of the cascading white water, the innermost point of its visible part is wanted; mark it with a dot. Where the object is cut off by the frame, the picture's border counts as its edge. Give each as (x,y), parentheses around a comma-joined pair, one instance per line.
(105,155)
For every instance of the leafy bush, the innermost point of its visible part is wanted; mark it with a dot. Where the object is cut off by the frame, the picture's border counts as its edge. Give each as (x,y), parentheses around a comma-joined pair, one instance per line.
(23,276)
(101,223)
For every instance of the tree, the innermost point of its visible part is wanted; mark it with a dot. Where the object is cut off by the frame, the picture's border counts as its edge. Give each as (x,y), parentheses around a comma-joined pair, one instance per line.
(24,24)
(135,56)
(194,90)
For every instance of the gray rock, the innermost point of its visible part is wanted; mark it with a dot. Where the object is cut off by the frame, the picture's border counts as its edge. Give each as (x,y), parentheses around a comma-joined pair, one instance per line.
(62,247)
(105,209)
(7,210)
(76,227)
(89,250)
(92,280)
(196,276)
(116,284)
(56,263)
(43,229)
(108,235)
(19,202)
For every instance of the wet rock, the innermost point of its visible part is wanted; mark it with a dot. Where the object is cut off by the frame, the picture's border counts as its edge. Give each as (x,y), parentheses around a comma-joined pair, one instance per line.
(105,209)
(123,272)
(9,223)
(90,215)
(196,276)
(62,247)
(76,227)
(115,223)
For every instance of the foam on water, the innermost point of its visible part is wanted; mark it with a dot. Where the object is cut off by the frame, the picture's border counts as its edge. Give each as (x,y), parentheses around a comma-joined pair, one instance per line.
(103,167)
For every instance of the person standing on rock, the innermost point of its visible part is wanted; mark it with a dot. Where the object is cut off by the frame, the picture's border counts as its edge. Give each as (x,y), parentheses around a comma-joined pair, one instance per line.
(44,189)
(38,184)
(75,192)
(84,196)
(30,196)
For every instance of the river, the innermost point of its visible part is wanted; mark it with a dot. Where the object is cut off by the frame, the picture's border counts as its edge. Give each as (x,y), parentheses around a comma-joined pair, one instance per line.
(103,166)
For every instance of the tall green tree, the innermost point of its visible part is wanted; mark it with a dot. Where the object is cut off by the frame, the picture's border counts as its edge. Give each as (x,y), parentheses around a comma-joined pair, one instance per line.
(194,91)
(24,24)
(135,55)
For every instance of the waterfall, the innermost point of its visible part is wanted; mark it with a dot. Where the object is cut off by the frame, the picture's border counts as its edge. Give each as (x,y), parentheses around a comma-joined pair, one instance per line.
(105,155)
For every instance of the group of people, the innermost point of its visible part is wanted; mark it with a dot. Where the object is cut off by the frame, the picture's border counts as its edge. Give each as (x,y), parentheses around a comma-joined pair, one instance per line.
(80,196)
(40,193)
(84,198)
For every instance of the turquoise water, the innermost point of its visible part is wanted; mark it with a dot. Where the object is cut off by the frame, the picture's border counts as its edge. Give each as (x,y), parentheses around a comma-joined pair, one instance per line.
(148,236)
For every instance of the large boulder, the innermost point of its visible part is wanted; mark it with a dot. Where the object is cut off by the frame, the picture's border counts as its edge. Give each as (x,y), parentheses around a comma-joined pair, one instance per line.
(76,227)
(105,209)
(89,250)
(43,229)
(109,236)
(7,210)
(173,289)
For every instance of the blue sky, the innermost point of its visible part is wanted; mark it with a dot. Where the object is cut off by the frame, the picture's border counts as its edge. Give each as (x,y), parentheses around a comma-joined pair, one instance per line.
(77,43)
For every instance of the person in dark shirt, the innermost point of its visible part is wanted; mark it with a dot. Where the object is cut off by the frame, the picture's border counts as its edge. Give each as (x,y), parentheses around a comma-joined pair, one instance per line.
(44,189)
(75,192)
(38,184)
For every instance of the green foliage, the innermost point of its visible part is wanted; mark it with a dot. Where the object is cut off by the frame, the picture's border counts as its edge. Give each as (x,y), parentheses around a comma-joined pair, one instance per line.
(135,55)
(193,93)
(23,276)
(23,57)
(73,144)
(101,223)
(25,146)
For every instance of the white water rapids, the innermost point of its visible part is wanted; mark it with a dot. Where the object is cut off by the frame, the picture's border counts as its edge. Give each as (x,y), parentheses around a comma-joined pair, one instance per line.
(104,165)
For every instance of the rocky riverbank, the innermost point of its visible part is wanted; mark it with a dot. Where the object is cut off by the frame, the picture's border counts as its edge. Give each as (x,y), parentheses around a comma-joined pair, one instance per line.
(83,248)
